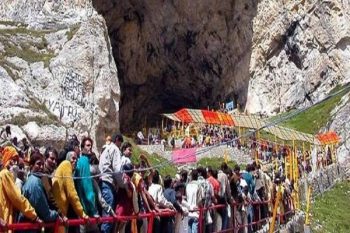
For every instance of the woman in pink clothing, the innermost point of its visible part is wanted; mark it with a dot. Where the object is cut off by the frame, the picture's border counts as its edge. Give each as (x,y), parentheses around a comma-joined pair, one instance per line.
(127,202)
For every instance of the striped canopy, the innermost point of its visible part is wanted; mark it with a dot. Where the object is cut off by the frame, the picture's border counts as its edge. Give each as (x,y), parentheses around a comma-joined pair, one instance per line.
(284,133)
(186,115)
(328,138)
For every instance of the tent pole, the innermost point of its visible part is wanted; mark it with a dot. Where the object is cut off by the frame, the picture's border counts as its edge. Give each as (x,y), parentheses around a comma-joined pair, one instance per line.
(285,166)
(256,149)
(274,159)
(182,128)
(290,168)
(162,126)
(146,128)
(304,155)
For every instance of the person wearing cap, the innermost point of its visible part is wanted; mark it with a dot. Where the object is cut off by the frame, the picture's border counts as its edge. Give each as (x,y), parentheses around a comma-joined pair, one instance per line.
(10,195)
(110,164)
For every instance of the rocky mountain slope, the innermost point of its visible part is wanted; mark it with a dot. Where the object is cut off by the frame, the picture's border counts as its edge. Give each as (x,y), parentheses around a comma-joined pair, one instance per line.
(57,74)
(301,52)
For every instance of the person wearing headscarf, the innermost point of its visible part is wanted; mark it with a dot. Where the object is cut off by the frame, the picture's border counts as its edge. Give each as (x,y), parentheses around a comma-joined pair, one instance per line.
(10,196)
(63,189)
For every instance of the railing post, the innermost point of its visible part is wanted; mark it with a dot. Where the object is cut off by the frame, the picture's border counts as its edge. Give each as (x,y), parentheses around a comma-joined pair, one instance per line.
(200,220)
(234,217)
(277,202)
(259,214)
(150,222)
(57,226)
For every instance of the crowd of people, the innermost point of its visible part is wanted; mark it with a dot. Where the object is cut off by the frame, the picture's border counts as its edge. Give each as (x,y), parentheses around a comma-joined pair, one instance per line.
(75,183)
(209,135)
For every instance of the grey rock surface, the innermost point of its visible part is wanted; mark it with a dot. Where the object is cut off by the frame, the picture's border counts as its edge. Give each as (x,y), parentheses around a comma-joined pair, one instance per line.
(300,53)
(57,70)
(174,54)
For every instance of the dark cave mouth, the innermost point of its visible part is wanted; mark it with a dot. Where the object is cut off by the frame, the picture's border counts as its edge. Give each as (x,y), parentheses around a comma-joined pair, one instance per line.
(148,112)
(170,55)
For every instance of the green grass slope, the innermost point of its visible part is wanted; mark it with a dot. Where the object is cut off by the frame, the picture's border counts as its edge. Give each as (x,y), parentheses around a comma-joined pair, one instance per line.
(314,118)
(331,211)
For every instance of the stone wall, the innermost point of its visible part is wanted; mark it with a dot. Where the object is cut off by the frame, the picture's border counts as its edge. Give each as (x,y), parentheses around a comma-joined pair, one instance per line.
(158,149)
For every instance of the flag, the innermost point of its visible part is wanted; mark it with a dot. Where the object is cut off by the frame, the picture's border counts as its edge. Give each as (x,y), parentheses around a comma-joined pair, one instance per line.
(184,156)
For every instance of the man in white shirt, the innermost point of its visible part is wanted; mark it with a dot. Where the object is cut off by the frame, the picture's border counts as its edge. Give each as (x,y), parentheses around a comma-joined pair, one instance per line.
(156,191)
(194,195)
(224,195)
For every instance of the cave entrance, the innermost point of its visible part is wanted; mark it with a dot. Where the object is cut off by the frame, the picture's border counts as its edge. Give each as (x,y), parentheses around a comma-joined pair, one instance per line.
(176,54)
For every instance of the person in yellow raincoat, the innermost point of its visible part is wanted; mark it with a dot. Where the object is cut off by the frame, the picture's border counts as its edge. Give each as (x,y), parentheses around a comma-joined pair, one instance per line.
(63,188)
(10,196)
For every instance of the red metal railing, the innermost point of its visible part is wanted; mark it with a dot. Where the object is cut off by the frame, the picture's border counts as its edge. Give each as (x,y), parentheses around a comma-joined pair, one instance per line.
(236,226)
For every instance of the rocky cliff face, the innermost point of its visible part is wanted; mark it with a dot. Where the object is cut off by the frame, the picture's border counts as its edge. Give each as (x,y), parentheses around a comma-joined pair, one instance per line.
(340,123)
(301,51)
(173,54)
(57,74)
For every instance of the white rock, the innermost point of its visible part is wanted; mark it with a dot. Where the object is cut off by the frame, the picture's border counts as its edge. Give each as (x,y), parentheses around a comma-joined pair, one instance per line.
(303,48)
(45,135)
(67,72)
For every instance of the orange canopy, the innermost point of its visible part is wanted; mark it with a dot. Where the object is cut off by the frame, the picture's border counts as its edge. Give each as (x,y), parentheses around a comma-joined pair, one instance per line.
(202,116)
(330,137)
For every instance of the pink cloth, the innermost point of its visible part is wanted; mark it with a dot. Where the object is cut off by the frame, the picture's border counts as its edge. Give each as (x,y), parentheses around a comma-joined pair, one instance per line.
(184,156)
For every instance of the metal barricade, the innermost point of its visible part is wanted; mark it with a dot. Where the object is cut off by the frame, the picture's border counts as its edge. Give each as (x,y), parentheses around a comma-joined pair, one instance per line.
(76,222)
(235,227)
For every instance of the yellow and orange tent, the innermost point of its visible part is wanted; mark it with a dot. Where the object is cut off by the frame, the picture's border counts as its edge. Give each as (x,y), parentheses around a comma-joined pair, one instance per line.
(330,137)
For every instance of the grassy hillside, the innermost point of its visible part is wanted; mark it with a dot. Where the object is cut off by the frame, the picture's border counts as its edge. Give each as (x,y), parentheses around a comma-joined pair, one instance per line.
(214,162)
(316,117)
(330,212)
